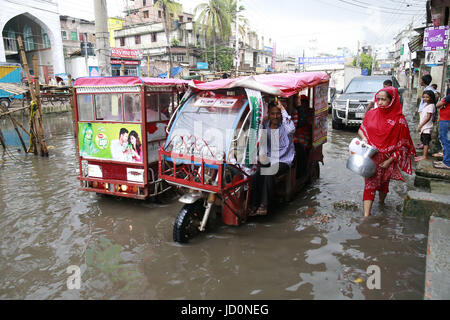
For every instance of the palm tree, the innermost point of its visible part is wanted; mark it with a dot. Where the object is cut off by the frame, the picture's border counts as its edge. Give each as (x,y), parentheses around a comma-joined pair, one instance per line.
(235,13)
(169,9)
(214,21)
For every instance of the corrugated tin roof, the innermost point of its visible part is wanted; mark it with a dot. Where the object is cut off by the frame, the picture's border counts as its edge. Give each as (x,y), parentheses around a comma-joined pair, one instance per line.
(416,44)
(13,88)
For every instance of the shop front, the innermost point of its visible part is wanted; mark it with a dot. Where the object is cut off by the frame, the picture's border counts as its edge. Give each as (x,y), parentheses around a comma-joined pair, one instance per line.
(129,58)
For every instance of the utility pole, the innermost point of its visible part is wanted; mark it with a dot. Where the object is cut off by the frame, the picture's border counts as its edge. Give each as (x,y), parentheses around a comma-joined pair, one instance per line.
(374,61)
(237,39)
(103,50)
(411,69)
(358,61)
(86,53)
(304,66)
(444,71)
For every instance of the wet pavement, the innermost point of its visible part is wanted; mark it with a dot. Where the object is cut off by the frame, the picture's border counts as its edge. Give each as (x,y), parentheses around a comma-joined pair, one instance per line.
(125,249)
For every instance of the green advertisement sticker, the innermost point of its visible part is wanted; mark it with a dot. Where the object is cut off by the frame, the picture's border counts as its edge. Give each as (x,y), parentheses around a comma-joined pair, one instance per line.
(110,141)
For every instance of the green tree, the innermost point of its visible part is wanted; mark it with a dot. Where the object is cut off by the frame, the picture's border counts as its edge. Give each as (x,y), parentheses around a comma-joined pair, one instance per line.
(365,62)
(169,9)
(224,58)
(214,22)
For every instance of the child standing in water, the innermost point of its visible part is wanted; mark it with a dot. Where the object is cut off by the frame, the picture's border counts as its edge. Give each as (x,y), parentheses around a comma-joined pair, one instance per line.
(426,122)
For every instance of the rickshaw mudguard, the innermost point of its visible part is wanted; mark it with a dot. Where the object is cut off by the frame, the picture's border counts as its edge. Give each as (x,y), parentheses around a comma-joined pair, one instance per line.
(190,197)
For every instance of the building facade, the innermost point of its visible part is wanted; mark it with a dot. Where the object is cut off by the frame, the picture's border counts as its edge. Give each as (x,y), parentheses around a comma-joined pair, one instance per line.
(150,38)
(144,11)
(38,23)
(114,24)
(78,35)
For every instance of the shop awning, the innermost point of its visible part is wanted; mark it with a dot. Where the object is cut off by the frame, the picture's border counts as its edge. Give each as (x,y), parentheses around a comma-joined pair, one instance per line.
(281,84)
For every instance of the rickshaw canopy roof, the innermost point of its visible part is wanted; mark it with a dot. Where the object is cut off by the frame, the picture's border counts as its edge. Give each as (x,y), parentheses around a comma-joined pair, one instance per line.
(281,84)
(126,81)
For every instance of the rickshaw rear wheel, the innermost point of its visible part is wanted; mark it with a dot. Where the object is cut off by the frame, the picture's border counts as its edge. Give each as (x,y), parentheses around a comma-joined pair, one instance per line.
(187,222)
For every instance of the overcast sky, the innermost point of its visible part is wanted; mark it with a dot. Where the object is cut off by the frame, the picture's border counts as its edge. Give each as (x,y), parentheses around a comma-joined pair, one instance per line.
(316,26)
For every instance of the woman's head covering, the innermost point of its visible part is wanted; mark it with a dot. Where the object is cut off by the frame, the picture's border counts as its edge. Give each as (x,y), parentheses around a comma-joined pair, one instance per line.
(386,129)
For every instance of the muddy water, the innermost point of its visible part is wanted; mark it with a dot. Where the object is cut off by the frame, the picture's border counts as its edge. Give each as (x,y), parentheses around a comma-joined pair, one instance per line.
(124,247)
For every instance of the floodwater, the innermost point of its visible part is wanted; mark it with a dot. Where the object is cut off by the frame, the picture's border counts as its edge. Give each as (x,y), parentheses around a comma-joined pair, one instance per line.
(124,247)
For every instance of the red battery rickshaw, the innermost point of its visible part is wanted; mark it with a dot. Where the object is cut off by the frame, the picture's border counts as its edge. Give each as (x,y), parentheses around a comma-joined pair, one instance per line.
(212,146)
(120,125)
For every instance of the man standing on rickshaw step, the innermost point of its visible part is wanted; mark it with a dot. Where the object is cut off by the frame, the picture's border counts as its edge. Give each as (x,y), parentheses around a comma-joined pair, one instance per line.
(279,153)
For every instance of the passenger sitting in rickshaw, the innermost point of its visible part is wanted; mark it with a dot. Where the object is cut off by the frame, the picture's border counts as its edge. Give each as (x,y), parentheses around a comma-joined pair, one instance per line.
(303,133)
(277,159)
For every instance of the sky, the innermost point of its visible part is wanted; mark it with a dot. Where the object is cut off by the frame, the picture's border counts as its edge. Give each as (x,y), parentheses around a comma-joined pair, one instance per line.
(315,26)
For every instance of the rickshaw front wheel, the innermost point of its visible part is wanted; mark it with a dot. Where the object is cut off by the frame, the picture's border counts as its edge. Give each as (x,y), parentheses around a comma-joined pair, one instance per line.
(188,221)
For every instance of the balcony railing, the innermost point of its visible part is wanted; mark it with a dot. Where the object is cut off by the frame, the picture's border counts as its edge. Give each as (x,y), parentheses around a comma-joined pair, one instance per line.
(10,45)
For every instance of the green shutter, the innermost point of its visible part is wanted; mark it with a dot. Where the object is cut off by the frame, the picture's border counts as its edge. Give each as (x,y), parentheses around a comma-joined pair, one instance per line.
(74,36)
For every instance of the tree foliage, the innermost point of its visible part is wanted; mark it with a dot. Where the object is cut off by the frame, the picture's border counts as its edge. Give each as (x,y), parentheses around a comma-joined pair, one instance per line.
(224,58)
(169,8)
(214,22)
(365,62)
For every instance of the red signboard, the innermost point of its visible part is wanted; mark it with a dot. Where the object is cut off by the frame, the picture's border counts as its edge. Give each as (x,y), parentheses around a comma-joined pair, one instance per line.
(126,53)
(125,62)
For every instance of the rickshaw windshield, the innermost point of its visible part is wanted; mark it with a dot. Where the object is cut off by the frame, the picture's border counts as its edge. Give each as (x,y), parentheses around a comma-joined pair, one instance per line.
(205,126)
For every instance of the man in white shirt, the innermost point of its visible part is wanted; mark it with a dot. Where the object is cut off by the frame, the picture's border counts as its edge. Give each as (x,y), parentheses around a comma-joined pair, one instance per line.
(118,146)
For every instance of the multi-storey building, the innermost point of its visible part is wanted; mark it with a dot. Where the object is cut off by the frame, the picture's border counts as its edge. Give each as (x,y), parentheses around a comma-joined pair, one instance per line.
(144,11)
(77,35)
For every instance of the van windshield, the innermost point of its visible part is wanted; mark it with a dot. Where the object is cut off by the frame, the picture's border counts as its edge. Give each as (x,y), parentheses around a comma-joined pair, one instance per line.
(365,85)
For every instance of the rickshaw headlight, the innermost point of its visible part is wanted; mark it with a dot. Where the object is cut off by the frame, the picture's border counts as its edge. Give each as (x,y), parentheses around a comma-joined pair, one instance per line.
(124,187)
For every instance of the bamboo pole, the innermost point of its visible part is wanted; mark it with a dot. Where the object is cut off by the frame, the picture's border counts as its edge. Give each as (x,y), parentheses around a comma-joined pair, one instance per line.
(41,136)
(15,128)
(33,146)
(12,111)
(2,140)
(72,106)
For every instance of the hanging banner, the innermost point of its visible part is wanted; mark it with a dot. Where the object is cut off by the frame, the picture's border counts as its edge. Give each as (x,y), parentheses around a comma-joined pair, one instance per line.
(321,60)
(257,115)
(434,58)
(435,38)
(320,125)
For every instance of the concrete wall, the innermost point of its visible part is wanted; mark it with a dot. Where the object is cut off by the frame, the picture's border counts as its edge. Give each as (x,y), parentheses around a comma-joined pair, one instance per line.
(45,14)
(79,66)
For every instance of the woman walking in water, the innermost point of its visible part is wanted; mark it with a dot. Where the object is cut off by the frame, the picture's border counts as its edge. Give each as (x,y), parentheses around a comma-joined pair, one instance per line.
(386,129)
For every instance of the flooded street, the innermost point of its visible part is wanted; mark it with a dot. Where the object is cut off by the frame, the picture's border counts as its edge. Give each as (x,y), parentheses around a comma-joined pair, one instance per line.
(125,249)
